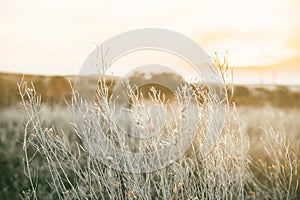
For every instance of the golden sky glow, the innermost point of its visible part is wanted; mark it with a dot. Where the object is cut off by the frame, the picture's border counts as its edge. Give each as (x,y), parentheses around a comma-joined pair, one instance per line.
(55,37)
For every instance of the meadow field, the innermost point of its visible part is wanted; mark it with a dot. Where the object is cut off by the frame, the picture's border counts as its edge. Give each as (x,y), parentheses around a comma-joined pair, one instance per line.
(256,157)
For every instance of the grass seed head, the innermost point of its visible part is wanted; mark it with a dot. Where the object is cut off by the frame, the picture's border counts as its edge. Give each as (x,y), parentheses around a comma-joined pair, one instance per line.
(180,186)
(116,185)
(131,193)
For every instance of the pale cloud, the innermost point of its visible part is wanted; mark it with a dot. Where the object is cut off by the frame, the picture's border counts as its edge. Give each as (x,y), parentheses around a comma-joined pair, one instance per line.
(56,36)
(294,40)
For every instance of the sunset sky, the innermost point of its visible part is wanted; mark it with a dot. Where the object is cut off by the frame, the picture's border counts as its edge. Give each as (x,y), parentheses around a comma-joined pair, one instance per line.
(55,37)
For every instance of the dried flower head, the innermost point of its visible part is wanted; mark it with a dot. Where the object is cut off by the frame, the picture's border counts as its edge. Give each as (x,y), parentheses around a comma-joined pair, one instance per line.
(131,193)
(116,185)
(180,186)
(269,167)
(273,166)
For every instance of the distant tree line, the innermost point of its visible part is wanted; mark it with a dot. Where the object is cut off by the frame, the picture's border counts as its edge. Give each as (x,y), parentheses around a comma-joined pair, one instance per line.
(55,90)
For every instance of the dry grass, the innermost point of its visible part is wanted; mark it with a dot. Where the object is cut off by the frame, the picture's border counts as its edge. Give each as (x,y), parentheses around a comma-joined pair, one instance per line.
(231,171)
(255,123)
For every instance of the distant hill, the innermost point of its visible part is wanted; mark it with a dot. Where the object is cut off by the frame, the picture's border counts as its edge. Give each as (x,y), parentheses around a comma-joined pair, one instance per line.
(56,89)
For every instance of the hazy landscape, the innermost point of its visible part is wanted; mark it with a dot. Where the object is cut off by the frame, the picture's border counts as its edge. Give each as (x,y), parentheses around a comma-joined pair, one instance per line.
(209,109)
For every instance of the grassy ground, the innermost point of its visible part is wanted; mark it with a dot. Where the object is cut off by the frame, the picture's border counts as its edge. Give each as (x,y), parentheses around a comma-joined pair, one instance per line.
(268,118)
(256,121)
